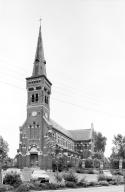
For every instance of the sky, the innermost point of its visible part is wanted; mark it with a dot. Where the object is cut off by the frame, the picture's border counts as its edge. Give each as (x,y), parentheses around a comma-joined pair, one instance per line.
(84,47)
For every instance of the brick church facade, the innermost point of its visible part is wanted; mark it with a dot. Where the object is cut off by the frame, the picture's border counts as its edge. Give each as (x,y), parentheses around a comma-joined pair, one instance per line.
(39,135)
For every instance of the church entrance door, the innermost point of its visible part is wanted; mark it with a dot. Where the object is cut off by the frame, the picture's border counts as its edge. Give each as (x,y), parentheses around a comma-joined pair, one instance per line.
(34,159)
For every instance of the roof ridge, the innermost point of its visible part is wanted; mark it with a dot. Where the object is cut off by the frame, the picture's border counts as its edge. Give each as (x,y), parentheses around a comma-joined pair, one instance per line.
(79,129)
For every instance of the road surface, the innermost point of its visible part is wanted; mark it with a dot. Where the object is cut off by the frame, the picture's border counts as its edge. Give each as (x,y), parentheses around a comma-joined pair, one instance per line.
(119,188)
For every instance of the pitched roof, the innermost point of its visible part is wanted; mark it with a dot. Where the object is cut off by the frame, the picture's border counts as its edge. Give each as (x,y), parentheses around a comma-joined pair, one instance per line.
(81,134)
(77,135)
(60,128)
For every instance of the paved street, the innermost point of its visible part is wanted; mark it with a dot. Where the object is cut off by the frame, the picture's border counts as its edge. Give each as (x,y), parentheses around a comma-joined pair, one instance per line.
(119,188)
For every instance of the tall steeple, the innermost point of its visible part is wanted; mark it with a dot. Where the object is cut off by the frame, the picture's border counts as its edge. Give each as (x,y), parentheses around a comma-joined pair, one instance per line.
(39,62)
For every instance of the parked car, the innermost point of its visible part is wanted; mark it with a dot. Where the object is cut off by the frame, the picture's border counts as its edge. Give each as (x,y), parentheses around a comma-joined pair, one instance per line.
(40,175)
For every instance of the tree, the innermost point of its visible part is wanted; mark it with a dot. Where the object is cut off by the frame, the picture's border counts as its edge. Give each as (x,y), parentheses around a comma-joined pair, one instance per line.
(99,142)
(118,150)
(98,155)
(3,154)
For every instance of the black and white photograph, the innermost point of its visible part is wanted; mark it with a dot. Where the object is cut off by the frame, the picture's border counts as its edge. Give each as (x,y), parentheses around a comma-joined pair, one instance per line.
(62,100)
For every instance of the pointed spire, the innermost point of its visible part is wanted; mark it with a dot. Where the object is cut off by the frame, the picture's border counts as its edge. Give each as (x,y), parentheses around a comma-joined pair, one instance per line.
(39,62)
(92,125)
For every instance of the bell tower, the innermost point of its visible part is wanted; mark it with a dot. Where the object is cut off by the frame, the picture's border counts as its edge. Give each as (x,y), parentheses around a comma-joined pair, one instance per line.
(38,85)
(31,148)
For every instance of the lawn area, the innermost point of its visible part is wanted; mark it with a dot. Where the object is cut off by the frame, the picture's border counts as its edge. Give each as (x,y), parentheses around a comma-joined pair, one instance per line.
(88,177)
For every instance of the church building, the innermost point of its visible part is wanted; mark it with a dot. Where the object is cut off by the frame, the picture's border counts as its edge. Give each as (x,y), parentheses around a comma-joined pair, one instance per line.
(40,135)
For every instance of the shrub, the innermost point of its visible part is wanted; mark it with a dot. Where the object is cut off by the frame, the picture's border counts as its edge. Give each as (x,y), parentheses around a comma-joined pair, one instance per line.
(39,186)
(82,182)
(59,164)
(114,164)
(118,179)
(58,177)
(12,179)
(22,188)
(103,183)
(92,183)
(69,165)
(26,186)
(70,176)
(113,182)
(62,185)
(70,184)
(43,186)
(52,186)
(117,172)
(6,188)
(89,163)
(96,163)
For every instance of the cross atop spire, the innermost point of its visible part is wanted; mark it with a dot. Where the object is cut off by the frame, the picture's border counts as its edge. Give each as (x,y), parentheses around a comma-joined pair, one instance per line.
(39,62)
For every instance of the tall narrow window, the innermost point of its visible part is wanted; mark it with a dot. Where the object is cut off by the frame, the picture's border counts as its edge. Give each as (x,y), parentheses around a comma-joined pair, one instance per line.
(33,98)
(34,124)
(46,99)
(30,131)
(36,97)
(37,133)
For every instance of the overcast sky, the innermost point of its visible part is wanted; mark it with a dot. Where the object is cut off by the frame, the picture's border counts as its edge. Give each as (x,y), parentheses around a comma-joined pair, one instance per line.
(84,45)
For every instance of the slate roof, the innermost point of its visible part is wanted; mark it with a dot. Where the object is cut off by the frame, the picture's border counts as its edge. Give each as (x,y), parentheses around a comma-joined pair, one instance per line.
(60,128)
(39,63)
(77,135)
(81,134)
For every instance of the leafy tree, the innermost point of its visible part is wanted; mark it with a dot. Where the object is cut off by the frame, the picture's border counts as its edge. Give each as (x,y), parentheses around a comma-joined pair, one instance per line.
(3,154)
(118,150)
(98,155)
(99,142)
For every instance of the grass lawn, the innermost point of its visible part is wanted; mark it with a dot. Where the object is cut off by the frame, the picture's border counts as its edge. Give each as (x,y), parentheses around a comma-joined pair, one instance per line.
(88,177)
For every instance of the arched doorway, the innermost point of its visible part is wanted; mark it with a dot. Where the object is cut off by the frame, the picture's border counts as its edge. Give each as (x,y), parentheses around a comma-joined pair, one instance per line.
(34,157)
